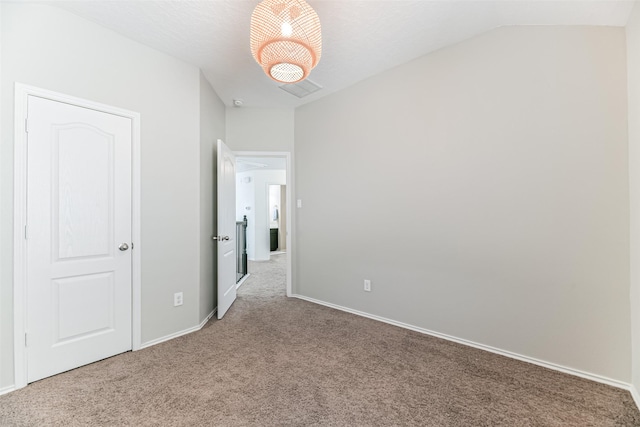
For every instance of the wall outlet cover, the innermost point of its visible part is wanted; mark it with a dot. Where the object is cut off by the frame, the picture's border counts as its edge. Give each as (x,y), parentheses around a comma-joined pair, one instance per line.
(177,299)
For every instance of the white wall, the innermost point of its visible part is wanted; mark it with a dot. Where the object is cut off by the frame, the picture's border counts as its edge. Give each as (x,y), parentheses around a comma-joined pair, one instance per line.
(484,191)
(633,82)
(52,49)
(255,194)
(212,128)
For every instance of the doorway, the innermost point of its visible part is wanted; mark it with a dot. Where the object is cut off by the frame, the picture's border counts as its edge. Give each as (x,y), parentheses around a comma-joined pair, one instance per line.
(257,173)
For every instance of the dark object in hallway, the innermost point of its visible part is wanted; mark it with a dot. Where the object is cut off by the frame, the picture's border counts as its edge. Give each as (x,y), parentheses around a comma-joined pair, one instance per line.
(241,248)
(274,239)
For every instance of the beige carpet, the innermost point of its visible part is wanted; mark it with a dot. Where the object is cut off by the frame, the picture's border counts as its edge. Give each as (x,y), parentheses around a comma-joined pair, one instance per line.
(274,361)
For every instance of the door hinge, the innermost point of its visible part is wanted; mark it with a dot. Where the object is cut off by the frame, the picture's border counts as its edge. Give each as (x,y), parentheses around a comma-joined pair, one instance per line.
(25,233)
(131,245)
(26,125)
(25,340)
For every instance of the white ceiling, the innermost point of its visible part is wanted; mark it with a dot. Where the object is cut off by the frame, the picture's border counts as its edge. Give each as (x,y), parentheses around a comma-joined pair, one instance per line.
(361,38)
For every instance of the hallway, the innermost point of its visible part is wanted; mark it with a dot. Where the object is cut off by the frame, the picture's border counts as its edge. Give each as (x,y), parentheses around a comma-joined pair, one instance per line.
(267,281)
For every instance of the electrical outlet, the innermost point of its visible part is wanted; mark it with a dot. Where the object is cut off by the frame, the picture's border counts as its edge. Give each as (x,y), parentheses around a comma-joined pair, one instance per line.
(177,299)
(367,285)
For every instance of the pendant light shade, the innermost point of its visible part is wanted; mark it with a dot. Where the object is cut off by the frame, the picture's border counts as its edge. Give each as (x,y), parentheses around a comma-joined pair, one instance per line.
(285,39)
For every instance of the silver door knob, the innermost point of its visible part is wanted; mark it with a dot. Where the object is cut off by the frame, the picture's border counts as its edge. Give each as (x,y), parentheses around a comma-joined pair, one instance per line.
(123,247)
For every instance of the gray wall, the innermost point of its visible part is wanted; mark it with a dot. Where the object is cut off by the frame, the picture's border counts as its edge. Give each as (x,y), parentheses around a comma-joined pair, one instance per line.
(483,189)
(52,49)
(260,129)
(212,128)
(633,82)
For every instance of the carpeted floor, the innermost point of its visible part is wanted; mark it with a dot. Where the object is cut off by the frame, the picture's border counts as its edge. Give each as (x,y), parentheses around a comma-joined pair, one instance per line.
(274,361)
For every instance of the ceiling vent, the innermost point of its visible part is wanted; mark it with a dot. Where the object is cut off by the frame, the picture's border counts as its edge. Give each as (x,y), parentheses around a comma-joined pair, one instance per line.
(301,89)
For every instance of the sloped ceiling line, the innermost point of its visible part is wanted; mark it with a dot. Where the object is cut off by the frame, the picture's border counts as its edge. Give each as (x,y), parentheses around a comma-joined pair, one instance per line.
(361,38)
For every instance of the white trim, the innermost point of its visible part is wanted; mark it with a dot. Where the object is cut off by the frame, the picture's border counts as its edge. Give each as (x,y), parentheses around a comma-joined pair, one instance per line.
(136,236)
(179,333)
(206,319)
(22,92)
(241,282)
(19,244)
(290,212)
(635,395)
(8,389)
(549,365)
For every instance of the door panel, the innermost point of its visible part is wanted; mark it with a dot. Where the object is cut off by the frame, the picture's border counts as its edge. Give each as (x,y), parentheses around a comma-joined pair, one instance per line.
(77,199)
(83,306)
(78,213)
(226,228)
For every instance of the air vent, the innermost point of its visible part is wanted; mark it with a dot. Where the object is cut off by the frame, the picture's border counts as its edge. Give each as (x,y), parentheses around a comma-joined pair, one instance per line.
(301,89)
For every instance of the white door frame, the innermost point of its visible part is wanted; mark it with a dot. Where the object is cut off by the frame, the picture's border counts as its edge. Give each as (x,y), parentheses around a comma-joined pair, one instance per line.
(290,213)
(22,92)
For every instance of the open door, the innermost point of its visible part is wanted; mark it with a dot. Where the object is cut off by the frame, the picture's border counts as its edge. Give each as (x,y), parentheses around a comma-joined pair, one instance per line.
(226,228)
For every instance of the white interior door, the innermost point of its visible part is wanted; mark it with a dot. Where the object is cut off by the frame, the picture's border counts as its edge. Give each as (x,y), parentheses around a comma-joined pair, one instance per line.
(226,228)
(78,236)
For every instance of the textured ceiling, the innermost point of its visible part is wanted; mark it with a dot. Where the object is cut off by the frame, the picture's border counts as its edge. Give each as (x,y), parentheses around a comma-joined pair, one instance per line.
(360,37)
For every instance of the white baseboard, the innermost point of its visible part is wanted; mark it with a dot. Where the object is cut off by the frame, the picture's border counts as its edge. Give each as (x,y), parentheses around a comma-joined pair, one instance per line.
(635,395)
(7,389)
(11,388)
(206,319)
(549,365)
(179,333)
(241,282)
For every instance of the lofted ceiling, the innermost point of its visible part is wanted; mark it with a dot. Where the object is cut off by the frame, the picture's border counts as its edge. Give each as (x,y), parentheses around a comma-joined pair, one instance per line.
(361,38)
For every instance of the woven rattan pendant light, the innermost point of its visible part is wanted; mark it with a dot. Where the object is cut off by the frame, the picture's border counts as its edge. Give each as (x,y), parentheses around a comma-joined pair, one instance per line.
(286,39)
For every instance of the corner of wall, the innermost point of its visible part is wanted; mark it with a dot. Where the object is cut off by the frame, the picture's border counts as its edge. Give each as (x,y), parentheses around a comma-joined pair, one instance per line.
(633,99)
